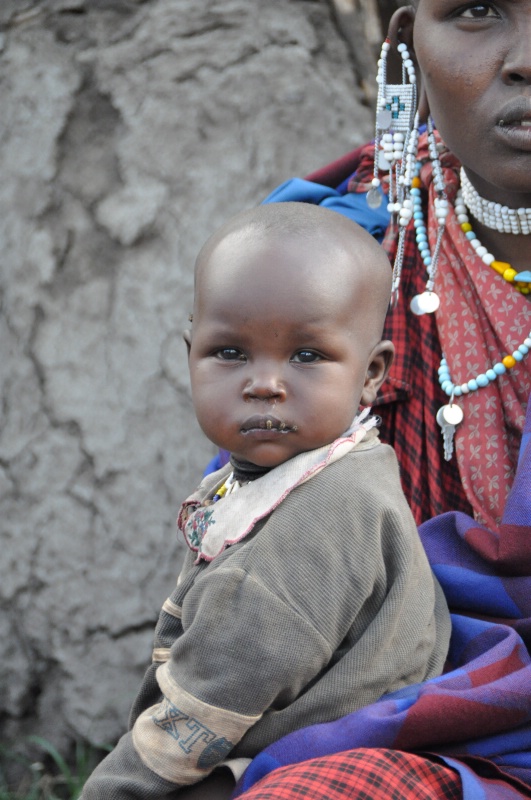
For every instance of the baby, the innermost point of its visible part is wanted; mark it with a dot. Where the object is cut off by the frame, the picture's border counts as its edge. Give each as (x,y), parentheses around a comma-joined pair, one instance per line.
(305,593)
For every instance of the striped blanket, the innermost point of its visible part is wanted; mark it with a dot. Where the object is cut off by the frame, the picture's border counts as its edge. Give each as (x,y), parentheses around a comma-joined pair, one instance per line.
(477,716)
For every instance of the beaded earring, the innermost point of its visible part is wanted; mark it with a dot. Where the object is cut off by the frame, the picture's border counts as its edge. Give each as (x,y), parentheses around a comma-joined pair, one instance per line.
(395,143)
(395,110)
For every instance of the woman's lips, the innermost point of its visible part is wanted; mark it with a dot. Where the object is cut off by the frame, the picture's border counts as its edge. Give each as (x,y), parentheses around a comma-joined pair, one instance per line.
(516,110)
(514,123)
(266,424)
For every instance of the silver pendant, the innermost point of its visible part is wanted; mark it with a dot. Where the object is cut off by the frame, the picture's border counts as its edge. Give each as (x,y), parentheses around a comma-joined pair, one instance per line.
(452,414)
(425,303)
(448,417)
(384,119)
(374,198)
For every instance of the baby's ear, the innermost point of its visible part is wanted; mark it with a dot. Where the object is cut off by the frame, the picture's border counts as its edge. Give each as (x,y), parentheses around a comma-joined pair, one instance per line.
(380,361)
(187,336)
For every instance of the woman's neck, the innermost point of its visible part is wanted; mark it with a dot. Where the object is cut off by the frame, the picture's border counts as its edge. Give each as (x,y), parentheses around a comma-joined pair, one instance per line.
(510,247)
(515,249)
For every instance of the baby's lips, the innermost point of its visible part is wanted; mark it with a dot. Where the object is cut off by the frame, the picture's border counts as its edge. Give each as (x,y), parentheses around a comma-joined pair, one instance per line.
(265,422)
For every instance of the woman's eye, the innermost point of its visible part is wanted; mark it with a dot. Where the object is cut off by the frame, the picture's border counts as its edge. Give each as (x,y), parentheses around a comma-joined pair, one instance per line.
(306,357)
(230,354)
(478,11)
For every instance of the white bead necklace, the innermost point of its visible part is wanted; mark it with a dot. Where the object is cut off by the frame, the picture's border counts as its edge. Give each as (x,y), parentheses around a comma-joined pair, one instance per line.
(520,280)
(494,215)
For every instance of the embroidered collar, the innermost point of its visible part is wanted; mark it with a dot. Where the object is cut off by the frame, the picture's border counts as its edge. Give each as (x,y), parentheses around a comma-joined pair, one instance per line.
(209,529)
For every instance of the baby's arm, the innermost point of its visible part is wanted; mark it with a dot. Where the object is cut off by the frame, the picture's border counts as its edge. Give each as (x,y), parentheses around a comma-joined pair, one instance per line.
(243,649)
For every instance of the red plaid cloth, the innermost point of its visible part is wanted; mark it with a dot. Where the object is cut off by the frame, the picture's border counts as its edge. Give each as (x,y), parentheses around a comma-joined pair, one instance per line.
(363,774)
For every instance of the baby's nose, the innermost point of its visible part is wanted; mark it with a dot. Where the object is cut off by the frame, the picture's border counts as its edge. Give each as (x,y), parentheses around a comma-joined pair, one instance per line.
(265,385)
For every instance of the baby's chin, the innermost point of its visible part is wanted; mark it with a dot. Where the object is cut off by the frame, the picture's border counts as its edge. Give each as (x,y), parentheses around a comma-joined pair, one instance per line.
(265,458)
(262,462)
(269,458)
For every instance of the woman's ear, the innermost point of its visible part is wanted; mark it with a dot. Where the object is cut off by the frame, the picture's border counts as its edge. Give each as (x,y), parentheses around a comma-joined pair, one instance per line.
(401,30)
(380,361)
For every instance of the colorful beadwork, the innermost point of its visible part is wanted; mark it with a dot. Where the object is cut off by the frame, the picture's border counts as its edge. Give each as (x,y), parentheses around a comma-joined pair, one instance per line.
(520,280)
(396,105)
(224,489)
(421,231)
(428,301)
(446,419)
(484,378)
(494,215)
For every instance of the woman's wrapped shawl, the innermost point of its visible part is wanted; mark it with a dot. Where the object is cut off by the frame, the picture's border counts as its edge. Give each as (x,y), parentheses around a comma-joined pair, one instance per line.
(481,707)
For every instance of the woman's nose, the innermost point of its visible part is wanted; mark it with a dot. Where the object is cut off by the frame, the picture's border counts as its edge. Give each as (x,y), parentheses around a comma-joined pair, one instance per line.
(265,384)
(517,66)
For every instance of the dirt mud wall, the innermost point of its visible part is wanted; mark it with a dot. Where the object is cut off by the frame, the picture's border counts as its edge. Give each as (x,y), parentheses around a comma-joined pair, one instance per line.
(129,131)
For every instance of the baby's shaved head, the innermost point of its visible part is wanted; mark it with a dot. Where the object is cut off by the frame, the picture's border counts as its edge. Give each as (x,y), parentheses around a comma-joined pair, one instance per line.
(289,307)
(353,265)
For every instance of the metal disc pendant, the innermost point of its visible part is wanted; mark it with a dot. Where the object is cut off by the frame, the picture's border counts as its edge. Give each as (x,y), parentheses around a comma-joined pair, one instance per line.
(439,417)
(374,198)
(451,414)
(425,303)
(384,119)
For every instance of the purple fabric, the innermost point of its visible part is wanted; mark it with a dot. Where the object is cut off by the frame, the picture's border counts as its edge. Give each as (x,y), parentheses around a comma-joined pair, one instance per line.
(481,706)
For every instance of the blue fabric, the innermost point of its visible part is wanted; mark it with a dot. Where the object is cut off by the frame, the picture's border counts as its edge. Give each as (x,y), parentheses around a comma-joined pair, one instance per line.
(213,465)
(351,205)
(480,707)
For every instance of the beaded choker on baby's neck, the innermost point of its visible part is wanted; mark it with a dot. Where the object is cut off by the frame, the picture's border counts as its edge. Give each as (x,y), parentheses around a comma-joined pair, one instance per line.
(242,472)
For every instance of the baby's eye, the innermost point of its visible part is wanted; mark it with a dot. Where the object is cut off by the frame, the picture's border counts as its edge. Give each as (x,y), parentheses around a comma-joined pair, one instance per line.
(306,357)
(478,11)
(230,354)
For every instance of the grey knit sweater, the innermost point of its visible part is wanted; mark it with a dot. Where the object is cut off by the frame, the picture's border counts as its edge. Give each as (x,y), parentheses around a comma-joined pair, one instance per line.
(328,604)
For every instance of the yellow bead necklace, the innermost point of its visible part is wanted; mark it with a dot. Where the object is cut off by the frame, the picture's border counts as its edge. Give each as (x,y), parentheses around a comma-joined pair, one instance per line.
(520,280)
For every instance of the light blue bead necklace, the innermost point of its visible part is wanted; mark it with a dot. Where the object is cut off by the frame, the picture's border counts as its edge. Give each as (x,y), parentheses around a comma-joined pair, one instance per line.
(484,378)
(451,414)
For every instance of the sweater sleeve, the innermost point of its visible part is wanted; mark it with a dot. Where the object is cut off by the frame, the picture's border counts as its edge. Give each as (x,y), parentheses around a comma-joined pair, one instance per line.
(242,651)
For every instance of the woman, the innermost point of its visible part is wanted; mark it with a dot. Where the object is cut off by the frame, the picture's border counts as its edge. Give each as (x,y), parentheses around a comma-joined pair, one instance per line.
(473,61)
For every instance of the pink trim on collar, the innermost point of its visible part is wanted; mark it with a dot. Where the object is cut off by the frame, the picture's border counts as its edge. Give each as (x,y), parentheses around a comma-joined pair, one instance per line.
(208,530)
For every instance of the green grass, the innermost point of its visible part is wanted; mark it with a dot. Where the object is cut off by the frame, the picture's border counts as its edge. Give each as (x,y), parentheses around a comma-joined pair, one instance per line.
(51,776)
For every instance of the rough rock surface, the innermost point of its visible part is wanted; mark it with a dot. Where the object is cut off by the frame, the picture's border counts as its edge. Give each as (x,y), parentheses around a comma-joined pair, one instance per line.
(129,130)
